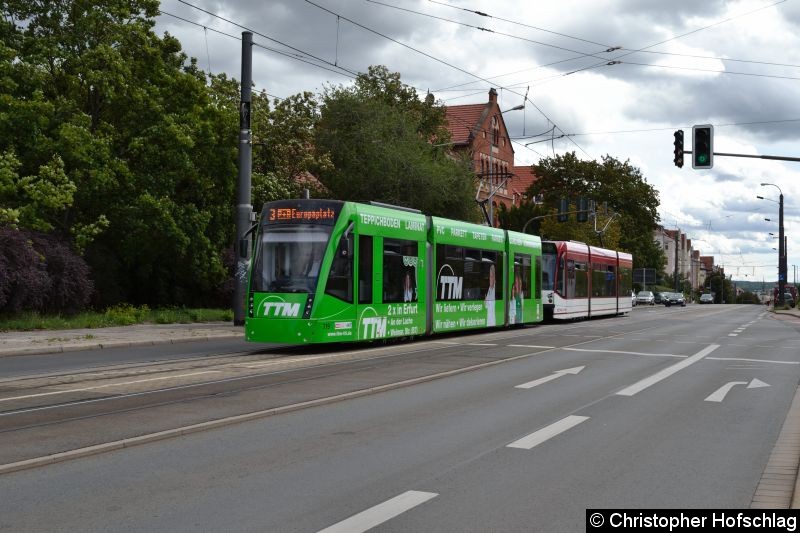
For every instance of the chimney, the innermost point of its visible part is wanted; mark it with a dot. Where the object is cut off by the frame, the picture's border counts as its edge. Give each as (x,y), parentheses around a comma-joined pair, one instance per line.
(492,96)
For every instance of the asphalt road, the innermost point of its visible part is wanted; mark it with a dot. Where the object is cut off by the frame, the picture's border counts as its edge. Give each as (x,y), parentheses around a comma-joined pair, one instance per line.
(668,408)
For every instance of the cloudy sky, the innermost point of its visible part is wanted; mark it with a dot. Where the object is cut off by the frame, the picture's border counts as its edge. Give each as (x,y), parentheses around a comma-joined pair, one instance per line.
(733,64)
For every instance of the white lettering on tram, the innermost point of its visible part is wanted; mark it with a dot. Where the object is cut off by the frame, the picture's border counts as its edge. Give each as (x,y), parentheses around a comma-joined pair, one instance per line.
(452,287)
(281,309)
(380,220)
(374,327)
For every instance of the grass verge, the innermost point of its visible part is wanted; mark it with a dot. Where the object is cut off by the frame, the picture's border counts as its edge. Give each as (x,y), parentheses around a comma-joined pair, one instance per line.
(119,315)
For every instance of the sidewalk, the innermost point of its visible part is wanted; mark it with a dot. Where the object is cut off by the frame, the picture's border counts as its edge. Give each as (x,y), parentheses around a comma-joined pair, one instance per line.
(794,312)
(57,341)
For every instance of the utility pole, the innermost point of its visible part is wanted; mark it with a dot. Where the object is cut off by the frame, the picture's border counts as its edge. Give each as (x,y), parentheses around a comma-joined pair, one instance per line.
(782,254)
(677,234)
(243,207)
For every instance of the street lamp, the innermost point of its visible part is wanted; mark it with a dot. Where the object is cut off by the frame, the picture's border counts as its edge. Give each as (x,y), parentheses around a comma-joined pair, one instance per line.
(492,188)
(781,245)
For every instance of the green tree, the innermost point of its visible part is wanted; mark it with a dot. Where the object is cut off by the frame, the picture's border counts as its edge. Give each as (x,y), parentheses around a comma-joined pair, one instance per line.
(151,154)
(285,156)
(387,145)
(618,189)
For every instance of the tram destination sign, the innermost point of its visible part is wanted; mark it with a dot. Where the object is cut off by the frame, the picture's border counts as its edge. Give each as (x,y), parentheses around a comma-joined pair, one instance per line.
(301,212)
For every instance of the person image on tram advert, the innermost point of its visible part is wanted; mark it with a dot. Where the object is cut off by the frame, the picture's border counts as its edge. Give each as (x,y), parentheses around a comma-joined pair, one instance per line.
(489,300)
(408,289)
(515,305)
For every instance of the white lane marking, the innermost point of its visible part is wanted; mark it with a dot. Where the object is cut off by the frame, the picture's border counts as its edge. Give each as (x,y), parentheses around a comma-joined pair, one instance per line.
(374,516)
(720,393)
(555,375)
(84,389)
(733,334)
(667,372)
(625,353)
(754,360)
(547,433)
(531,346)
(479,344)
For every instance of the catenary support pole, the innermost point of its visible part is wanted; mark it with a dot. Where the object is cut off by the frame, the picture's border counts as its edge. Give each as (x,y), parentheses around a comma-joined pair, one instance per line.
(243,205)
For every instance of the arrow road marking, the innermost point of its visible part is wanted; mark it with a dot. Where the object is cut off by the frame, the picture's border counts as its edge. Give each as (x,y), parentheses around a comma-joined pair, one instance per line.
(720,393)
(555,375)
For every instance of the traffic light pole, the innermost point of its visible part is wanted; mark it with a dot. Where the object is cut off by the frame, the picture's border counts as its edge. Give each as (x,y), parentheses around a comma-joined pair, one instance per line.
(770,157)
(782,255)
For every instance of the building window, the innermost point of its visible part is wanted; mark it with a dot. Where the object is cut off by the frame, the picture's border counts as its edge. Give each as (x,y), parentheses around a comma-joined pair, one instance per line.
(495,131)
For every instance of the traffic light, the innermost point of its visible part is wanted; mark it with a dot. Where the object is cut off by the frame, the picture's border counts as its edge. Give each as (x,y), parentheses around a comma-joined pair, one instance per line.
(583,210)
(678,149)
(703,146)
(563,208)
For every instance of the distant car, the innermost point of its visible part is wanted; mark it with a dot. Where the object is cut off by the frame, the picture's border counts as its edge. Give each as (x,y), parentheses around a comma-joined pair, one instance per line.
(645,297)
(674,298)
(706,299)
(658,297)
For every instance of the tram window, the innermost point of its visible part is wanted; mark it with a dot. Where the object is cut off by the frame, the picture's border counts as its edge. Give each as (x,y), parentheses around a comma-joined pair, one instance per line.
(400,270)
(364,269)
(598,280)
(454,252)
(625,286)
(581,280)
(340,278)
(610,281)
(522,275)
(473,274)
(537,273)
(548,270)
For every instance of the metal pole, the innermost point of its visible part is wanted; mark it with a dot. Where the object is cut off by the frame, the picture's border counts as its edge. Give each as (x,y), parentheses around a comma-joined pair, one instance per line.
(781,255)
(676,259)
(243,205)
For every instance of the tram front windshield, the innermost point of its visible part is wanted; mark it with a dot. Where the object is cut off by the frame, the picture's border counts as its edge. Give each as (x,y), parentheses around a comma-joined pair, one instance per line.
(290,257)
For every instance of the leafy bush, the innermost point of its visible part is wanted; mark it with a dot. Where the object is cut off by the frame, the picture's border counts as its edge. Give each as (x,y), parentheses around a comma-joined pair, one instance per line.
(71,288)
(39,272)
(24,281)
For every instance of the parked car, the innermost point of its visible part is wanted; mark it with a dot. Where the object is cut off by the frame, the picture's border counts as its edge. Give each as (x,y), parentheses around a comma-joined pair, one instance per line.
(706,298)
(658,297)
(674,298)
(787,299)
(646,297)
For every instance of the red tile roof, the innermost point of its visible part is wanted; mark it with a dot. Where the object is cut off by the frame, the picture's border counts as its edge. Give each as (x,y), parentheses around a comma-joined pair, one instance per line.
(523,178)
(462,120)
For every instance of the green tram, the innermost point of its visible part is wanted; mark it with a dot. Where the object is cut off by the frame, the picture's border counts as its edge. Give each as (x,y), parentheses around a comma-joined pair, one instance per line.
(333,271)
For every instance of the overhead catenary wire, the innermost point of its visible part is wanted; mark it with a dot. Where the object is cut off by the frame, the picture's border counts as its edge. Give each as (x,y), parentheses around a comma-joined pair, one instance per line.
(304,53)
(435,59)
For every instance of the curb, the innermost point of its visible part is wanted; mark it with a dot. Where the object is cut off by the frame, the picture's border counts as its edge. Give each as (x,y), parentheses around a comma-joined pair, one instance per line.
(65,348)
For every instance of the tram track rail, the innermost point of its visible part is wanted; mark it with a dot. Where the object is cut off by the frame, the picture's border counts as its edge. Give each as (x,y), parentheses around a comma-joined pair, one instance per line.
(206,404)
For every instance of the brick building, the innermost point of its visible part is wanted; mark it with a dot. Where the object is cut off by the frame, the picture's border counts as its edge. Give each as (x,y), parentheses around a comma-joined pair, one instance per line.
(479,131)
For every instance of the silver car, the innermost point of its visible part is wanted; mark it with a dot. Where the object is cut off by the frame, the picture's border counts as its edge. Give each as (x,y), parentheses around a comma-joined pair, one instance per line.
(646,297)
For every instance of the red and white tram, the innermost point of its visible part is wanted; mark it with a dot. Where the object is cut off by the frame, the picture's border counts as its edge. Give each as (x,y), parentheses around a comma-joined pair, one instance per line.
(582,281)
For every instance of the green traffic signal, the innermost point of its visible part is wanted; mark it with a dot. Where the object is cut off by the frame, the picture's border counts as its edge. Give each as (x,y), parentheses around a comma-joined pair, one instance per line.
(703,146)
